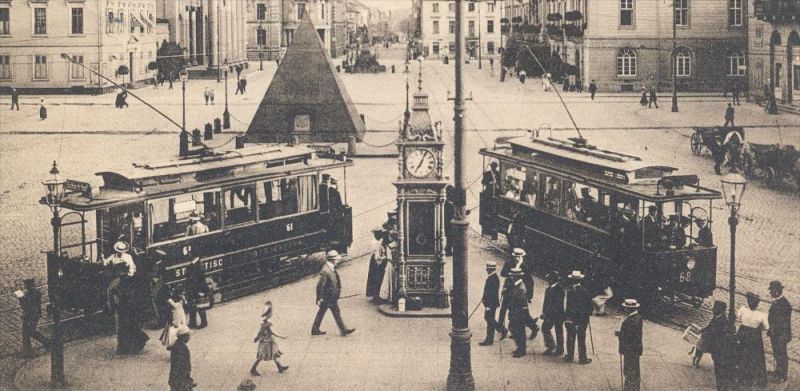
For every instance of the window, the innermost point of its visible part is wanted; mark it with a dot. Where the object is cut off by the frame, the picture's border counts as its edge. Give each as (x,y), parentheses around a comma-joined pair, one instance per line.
(736,65)
(683,62)
(490,47)
(40,21)
(681,12)
(322,11)
(626,13)
(121,26)
(77,72)
(586,204)
(451,7)
(77,20)
(240,205)
(471,6)
(490,26)
(185,215)
(435,48)
(490,7)
(452,27)
(471,28)
(435,7)
(40,67)
(436,27)
(261,11)
(261,37)
(626,62)
(551,200)
(5,67)
(734,12)
(301,10)
(287,196)
(5,21)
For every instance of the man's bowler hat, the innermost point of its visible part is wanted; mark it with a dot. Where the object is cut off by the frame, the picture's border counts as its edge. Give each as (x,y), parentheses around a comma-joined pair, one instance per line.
(775,284)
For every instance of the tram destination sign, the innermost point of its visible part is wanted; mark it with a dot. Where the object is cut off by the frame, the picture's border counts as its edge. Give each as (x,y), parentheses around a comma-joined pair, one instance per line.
(78,187)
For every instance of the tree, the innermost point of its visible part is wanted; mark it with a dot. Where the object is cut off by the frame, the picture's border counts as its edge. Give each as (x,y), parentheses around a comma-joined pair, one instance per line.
(169,59)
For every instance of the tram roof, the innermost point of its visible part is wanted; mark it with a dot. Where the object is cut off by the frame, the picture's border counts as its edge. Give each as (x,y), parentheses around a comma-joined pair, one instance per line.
(621,172)
(162,178)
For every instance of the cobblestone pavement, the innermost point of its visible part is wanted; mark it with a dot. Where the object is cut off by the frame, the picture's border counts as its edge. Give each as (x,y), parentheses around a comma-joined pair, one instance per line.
(768,245)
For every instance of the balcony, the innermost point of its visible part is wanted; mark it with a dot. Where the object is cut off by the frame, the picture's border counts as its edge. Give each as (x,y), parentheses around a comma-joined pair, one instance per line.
(554,31)
(777,10)
(573,32)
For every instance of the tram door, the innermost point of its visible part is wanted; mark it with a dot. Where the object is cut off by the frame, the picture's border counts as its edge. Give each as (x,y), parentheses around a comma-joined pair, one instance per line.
(122,223)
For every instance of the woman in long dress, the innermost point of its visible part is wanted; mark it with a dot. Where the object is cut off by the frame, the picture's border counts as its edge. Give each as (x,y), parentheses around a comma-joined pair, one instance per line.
(267,347)
(752,366)
(377,265)
(387,286)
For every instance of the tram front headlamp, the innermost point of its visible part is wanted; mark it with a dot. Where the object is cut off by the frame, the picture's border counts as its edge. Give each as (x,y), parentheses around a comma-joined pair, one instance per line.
(691,263)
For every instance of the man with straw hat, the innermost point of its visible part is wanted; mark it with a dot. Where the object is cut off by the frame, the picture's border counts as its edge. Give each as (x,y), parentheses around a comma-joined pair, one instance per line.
(121,256)
(578,309)
(630,345)
(329,288)
(490,302)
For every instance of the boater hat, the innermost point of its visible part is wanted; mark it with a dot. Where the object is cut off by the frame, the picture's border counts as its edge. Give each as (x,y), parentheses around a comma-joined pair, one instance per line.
(630,303)
(121,247)
(576,275)
(515,272)
(183,330)
(518,252)
(491,264)
(333,255)
(194,217)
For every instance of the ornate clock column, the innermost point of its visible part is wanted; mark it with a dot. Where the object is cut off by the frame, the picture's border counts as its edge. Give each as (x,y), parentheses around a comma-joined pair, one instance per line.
(421,197)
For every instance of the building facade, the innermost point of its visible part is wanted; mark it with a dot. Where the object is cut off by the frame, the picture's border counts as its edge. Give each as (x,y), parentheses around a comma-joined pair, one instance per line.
(213,32)
(481,28)
(118,39)
(774,50)
(627,44)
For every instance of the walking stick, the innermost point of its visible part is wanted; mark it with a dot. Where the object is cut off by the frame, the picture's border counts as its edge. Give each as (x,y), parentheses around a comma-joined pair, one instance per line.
(473,311)
(591,339)
(621,378)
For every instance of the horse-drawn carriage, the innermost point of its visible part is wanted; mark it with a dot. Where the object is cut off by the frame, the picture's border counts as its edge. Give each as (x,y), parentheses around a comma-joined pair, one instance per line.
(772,162)
(721,139)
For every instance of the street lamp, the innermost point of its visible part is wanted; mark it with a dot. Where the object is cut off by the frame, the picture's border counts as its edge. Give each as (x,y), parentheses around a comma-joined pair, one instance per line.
(184,75)
(733,186)
(226,115)
(53,199)
(674,56)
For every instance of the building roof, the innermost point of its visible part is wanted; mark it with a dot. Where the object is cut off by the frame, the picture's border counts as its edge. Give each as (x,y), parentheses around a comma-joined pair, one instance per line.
(306,98)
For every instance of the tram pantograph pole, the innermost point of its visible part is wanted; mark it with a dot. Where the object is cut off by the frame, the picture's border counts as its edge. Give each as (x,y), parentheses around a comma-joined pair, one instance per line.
(460,377)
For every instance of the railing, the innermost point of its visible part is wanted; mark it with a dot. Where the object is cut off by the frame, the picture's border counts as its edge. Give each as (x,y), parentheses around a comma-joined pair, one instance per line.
(777,9)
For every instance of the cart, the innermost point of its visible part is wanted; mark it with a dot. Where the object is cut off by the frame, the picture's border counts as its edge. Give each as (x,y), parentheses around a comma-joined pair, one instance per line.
(773,163)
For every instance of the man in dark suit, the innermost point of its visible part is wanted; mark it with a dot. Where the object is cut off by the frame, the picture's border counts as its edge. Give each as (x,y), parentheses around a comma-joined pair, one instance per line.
(578,309)
(31,303)
(652,227)
(518,262)
(491,179)
(491,189)
(329,288)
(323,192)
(630,345)
(180,363)
(780,330)
(518,312)
(553,315)
(337,213)
(491,301)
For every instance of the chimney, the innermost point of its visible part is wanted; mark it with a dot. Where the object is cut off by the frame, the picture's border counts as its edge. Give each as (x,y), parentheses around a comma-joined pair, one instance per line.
(183,144)
(240,141)
(209,132)
(196,137)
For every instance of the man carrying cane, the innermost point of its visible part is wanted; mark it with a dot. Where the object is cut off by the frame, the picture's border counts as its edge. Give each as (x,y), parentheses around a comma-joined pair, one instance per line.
(491,301)
(630,345)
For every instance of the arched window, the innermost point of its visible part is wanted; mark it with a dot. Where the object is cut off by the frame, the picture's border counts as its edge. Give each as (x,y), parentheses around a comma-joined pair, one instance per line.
(626,62)
(736,64)
(683,62)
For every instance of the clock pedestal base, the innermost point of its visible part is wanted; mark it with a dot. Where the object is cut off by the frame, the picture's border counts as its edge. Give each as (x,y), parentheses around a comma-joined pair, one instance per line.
(391,311)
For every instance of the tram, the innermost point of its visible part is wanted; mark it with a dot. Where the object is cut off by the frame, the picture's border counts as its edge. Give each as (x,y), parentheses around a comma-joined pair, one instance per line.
(265,208)
(626,222)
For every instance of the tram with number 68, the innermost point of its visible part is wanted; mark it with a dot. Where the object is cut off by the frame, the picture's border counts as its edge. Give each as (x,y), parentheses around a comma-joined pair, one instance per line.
(625,222)
(264,208)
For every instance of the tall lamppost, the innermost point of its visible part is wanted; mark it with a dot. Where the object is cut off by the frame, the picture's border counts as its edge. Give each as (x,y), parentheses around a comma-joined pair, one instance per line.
(459,377)
(226,115)
(184,75)
(733,186)
(674,56)
(53,199)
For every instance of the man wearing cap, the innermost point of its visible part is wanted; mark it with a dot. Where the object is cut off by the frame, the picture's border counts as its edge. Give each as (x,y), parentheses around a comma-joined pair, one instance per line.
(704,236)
(490,302)
(121,256)
(31,303)
(323,192)
(329,289)
(518,312)
(780,330)
(578,309)
(630,344)
(180,362)
(337,212)
(553,315)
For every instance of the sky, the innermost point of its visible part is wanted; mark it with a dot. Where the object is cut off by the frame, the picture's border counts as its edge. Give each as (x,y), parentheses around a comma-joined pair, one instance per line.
(388,4)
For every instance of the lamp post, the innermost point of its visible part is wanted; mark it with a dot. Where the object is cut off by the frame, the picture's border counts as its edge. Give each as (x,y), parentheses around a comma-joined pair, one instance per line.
(733,186)
(184,75)
(459,377)
(226,115)
(674,56)
(53,199)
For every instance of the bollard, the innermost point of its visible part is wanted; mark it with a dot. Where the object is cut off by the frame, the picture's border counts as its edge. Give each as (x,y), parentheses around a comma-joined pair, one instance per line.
(196,137)
(209,132)
(183,149)
(217,125)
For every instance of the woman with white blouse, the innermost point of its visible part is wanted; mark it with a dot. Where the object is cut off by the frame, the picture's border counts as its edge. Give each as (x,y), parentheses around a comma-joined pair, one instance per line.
(752,366)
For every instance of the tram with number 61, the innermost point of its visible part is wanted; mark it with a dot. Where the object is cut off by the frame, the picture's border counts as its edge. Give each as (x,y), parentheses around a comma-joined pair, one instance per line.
(625,222)
(264,208)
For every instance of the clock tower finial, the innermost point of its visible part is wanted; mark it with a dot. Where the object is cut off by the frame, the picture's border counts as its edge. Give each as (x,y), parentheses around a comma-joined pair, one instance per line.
(407,114)
(420,76)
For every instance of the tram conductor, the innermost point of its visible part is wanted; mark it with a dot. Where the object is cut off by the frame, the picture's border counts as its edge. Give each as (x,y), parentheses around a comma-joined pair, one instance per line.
(630,345)
(491,189)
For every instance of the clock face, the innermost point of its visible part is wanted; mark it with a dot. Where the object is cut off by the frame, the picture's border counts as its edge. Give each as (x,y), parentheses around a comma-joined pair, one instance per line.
(420,163)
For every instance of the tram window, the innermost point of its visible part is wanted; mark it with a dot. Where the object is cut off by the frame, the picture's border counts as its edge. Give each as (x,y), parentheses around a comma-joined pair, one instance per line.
(286,196)
(530,188)
(240,205)
(552,193)
(170,218)
(584,203)
(513,180)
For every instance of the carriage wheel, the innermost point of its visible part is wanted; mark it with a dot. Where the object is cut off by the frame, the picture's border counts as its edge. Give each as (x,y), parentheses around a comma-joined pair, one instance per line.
(697,144)
(772,177)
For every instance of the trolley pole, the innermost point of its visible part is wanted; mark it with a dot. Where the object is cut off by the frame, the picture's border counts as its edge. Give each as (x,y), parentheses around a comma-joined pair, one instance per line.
(674,58)
(460,377)
(733,221)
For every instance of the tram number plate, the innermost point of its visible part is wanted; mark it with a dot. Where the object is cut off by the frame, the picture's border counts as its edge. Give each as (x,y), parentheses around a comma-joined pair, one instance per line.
(686,276)
(290,227)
